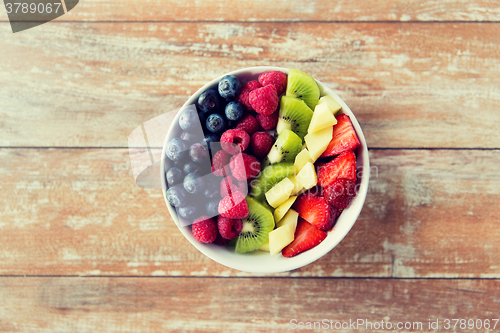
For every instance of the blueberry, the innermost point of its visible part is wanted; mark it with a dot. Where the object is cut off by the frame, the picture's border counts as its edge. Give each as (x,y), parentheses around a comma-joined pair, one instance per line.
(216,123)
(198,153)
(209,101)
(210,137)
(187,212)
(229,87)
(188,119)
(234,111)
(174,176)
(213,188)
(176,196)
(177,149)
(194,183)
(212,207)
(190,136)
(191,167)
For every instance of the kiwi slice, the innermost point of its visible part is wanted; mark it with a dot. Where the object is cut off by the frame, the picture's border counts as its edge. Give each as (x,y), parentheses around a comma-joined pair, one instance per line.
(303,86)
(270,176)
(256,227)
(294,115)
(285,148)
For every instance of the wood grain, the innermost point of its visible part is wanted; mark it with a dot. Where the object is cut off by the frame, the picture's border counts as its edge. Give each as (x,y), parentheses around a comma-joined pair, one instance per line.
(279,11)
(78,212)
(241,305)
(90,85)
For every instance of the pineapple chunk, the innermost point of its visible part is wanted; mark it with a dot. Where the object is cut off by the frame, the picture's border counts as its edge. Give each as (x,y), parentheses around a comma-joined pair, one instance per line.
(280,192)
(298,187)
(307,176)
(301,159)
(317,142)
(265,247)
(282,209)
(332,104)
(322,118)
(290,218)
(281,237)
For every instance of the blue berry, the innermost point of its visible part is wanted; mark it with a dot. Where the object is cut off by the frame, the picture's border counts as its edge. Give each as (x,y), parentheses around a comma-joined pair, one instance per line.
(213,188)
(209,101)
(229,87)
(235,111)
(174,176)
(216,123)
(198,153)
(176,196)
(188,119)
(194,183)
(190,136)
(187,212)
(210,137)
(177,149)
(212,207)
(191,167)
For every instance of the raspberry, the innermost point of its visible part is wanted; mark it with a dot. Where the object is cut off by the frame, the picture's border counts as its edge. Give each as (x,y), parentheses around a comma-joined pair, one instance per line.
(234,141)
(219,240)
(261,143)
(229,228)
(248,124)
(227,186)
(276,78)
(220,163)
(244,166)
(204,229)
(264,100)
(268,122)
(245,92)
(234,206)
(340,193)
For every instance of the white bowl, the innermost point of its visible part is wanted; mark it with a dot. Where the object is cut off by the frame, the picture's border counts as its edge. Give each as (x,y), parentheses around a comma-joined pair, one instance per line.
(262,262)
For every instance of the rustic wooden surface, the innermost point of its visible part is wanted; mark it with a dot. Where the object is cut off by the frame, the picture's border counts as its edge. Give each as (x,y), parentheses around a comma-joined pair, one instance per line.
(83,249)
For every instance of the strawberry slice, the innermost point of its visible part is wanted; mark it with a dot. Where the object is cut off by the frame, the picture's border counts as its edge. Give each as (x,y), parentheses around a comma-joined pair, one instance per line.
(340,193)
(344,166)
(306,236)
(315,210)
(344,137)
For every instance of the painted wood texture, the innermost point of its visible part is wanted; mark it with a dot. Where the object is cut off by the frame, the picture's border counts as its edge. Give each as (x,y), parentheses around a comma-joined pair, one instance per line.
(78,212)
(278,11)
(410,85)
(241,305)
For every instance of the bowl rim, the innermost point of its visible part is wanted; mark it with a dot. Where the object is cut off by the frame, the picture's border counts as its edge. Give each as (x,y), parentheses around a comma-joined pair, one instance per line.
(306,257)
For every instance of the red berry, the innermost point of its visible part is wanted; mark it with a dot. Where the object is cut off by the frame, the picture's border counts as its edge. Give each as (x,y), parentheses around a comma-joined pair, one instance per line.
(245,92)
(264,100)
(204,229)
(344,166)
(268,122)
(234,206)
(261,143)
(315,210)
(248,124)
(227,186)
(276,78)
(244,166)
(234,141)
(219,240)
(306,237)
(220,163)
(229,228)
(340,193)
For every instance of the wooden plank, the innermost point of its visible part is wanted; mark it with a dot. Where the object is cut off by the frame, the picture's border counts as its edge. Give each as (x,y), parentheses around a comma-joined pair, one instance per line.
(78,212)
(279,11)
(410,85)
(241,305)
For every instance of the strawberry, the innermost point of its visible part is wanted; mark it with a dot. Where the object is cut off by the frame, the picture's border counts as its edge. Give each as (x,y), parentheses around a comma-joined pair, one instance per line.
(340,193)
(344,166)
(315,210)
(344,137)
(306,236)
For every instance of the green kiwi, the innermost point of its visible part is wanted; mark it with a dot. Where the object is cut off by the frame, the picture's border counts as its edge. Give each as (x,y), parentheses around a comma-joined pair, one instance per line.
(303,86)
(256,227)
(285,148)
(294,115)
(270,176)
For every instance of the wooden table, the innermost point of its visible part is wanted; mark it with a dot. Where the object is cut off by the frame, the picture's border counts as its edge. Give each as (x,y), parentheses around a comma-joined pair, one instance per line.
(83,249)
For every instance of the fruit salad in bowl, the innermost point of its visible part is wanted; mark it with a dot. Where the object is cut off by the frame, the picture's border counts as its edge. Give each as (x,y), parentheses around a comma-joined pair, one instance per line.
(263,169)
